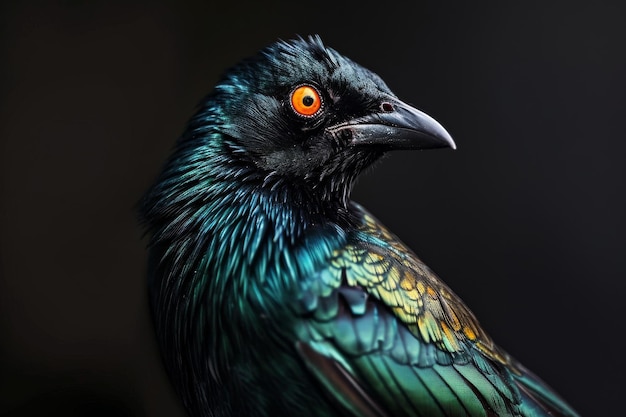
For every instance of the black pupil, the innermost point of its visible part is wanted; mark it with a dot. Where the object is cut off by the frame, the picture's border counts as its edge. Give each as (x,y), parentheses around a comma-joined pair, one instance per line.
(307,101)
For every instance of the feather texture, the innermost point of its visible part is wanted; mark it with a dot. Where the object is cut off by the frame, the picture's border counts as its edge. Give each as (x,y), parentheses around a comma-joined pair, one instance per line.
(275,295)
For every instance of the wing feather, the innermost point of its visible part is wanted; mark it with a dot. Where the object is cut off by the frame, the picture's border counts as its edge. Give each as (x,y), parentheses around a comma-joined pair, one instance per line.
(402,343)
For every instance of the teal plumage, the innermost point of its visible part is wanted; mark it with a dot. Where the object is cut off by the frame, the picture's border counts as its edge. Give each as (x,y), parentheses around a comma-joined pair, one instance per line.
(273,294)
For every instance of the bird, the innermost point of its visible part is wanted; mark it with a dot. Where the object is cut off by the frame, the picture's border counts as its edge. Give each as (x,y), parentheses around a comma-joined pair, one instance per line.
(274,294)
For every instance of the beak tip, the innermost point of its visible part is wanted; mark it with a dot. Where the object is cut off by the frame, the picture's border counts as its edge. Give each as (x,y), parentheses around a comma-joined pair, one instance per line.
(451,142)
(438,137)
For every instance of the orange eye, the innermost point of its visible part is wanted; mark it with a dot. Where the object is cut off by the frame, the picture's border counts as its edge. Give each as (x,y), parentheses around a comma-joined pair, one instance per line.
(306,101)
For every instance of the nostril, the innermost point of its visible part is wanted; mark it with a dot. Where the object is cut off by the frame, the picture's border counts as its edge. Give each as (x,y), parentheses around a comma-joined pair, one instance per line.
(386,107)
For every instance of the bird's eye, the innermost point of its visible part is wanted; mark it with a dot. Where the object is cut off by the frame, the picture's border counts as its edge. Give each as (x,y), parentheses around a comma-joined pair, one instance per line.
(306,101)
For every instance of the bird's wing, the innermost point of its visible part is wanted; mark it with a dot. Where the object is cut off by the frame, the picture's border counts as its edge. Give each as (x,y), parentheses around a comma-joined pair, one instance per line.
(386,337)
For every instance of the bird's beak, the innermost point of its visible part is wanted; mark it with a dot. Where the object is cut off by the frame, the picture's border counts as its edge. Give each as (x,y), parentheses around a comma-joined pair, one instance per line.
(396,126)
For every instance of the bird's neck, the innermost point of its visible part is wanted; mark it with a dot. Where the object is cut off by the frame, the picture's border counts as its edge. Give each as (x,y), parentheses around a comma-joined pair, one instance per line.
(263,213)
(226,226)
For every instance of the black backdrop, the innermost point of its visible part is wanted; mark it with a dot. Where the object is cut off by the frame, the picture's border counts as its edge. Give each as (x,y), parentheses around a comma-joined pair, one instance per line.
(525,220)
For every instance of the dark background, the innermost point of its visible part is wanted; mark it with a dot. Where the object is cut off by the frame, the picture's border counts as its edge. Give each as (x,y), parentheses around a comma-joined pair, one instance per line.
(526,220)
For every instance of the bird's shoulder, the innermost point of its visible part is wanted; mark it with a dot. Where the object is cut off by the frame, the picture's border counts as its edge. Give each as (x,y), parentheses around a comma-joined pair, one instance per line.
(383,334)
(381,331)
(374,267)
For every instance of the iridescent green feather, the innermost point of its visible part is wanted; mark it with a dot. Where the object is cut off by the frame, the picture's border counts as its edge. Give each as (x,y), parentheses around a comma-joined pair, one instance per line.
(274,295)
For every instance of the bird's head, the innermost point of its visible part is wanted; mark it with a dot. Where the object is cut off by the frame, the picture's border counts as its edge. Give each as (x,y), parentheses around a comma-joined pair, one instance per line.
(300,113)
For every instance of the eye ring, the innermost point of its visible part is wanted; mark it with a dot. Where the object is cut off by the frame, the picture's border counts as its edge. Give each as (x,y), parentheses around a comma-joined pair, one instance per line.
(306,101)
